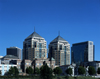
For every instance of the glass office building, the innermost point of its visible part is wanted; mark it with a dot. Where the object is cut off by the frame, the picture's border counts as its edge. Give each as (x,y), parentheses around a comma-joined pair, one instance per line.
(82,52)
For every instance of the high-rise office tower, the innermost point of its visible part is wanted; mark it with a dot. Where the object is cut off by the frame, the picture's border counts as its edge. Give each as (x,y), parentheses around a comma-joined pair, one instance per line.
(82,52)
(34,46)
(14,51)
(59,49)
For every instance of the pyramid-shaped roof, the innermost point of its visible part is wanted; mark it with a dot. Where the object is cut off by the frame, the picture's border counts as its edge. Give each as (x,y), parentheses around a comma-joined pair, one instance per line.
(34,34)
(58,38)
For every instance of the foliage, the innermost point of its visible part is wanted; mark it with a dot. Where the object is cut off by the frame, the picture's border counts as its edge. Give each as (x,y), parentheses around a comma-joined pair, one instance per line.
(13,71)
(16,71)
(37,70)
(69,71)
(57,70)
(83,77)
(29,70)
(91,70)
(37,77)
(0,72)
(46,72)
(81,70)
(98,71)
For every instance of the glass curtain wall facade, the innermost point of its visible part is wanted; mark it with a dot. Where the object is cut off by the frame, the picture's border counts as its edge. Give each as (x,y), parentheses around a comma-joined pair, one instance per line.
(59,49)
(34,46)
(82,52)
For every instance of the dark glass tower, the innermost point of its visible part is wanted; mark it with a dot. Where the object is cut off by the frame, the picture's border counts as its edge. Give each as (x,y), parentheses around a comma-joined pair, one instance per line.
(14,51)
(82,52)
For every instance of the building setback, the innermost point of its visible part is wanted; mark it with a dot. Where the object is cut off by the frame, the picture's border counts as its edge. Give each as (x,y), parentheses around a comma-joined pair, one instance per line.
(82,52)
(59,49)
(34,46)
(15,51)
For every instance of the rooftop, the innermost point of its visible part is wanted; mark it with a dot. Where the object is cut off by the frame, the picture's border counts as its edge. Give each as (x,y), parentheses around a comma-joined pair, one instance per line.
(11,56)
(34,34)
(58,38)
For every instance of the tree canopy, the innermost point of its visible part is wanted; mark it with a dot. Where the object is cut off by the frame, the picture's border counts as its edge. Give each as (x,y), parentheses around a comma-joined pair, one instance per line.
(13,71)
(46,72)
(57,70)
(81,70)
(29,70)
(69,71)
(98,71)
(37,70)
(91,70)
(0,72)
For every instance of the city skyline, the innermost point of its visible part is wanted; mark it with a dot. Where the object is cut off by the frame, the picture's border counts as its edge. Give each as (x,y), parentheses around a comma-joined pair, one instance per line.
(77,21)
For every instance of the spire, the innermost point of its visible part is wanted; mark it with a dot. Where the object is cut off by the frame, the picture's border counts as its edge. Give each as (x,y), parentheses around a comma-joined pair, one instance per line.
(34,28)
(58,33)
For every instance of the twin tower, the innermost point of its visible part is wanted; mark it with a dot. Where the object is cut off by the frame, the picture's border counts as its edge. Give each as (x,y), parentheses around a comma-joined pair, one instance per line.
(34,47)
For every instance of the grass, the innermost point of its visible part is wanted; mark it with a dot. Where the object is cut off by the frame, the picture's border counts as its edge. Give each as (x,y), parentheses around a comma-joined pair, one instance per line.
(57,77)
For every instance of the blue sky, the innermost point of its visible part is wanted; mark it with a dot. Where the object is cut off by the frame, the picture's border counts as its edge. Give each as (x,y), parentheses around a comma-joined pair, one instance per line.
(77,21)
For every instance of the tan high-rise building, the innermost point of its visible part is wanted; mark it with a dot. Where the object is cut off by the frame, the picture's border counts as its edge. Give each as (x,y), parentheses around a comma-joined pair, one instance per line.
(59,49)
(34,46)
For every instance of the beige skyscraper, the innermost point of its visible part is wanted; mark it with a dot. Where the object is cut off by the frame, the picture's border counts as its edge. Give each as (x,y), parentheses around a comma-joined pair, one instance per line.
(34,46)
(59,49)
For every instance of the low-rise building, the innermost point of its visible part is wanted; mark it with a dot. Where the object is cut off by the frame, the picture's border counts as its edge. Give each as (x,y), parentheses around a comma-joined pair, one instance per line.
(39,62)
(25,64)
(65,67)
(5,67)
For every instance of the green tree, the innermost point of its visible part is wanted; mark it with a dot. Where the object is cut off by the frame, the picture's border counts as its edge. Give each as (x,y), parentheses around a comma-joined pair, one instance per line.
(46,72)
(0,72)
(69,71)
(29,70)
(37,70)
(91,70)
(98,71)
(57,70)
(16,72)
(81,70)
(13,71)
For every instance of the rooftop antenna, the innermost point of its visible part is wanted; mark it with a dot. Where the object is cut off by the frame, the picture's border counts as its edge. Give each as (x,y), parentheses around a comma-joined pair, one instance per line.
(58,33)
(34,28)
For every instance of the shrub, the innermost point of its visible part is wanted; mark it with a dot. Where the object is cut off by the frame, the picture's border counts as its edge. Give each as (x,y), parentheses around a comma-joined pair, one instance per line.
(81,70)
(69,71)
(91,70)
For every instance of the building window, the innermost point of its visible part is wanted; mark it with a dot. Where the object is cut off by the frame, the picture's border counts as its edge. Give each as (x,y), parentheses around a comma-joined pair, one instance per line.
(90,43)
(5,66)
(60,47)
(54,64)
(40,45)
(29,63)
(40,64)
(48,64)
(34,44)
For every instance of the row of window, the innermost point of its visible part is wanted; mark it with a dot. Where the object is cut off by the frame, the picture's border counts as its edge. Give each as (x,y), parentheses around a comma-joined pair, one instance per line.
(27,63)
(42,64)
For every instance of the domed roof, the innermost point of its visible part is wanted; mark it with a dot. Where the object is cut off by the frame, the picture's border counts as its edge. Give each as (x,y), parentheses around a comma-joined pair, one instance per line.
(11,56)
(34,34)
